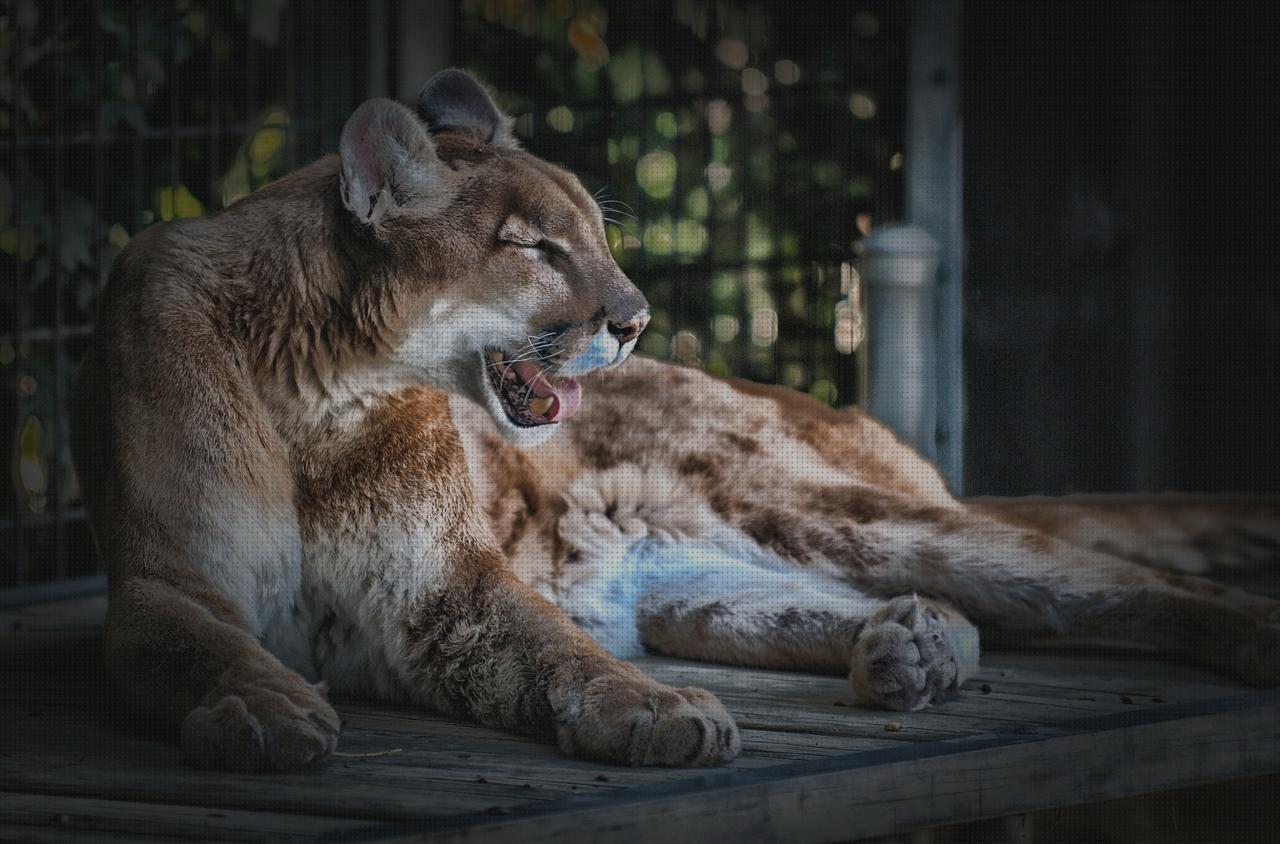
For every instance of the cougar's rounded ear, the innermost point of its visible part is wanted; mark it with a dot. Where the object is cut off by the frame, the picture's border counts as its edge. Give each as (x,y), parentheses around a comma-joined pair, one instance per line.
(454,100)
(389,162)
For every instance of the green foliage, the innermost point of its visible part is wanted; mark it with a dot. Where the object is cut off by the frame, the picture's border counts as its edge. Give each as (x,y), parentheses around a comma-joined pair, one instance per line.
(739,148)
(87,103)
(736,147)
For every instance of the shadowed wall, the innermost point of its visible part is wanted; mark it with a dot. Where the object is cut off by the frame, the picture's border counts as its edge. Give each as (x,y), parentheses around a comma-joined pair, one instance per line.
(1122,319)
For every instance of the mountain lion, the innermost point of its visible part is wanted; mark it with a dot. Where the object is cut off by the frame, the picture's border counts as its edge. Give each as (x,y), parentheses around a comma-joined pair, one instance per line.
(315,437)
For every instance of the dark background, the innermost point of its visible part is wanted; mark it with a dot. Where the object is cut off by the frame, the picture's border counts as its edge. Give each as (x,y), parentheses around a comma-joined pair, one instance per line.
(736,188)
(1122,322)
(1120,314)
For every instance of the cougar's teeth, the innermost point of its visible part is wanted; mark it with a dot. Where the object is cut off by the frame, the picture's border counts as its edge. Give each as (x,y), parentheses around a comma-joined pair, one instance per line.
(509,375)
(540,406)
(496,357)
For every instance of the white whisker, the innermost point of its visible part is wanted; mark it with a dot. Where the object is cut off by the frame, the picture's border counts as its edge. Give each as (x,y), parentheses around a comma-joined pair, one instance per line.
(618,206)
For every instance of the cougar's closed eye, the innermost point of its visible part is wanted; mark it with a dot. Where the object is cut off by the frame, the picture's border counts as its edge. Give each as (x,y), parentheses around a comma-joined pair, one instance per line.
(542,245)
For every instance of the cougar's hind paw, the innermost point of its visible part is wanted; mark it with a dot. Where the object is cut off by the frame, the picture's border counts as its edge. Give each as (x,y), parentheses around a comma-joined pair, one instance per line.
(903,658)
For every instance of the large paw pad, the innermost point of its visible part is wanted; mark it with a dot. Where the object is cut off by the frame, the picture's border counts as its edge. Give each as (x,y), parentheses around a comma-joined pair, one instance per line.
(903,658)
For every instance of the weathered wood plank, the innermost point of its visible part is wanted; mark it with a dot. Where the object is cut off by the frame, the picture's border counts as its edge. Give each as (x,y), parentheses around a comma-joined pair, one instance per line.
(32,816)
(904,788)
(1101,669)
(89,611)
(42,834)
(51,753)
(62,751)
(1052,729)
(1053,674)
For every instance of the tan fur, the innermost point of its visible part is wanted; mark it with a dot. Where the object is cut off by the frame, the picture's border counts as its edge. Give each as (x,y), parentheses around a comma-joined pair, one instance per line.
(268,458)
(297,474)
(836,495)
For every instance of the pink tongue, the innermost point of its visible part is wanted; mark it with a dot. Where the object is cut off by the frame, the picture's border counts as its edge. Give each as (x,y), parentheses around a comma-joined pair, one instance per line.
(567,393)
(568,397)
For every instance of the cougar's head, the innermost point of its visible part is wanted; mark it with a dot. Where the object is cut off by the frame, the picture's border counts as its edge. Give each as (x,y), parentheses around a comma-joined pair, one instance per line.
(504,285)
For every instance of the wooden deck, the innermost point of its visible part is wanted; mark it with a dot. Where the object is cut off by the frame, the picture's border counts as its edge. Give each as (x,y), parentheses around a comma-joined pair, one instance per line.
(1030,732)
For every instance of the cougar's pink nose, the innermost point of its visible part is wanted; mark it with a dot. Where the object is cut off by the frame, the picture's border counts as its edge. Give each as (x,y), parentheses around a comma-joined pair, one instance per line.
(625,332)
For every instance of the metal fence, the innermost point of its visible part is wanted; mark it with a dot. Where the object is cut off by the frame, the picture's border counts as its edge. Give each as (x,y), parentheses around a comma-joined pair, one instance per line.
(742,149)
(117,115)
(739,184)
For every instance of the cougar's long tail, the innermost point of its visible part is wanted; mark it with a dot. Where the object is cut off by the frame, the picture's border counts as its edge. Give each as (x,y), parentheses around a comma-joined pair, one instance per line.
(1182,533)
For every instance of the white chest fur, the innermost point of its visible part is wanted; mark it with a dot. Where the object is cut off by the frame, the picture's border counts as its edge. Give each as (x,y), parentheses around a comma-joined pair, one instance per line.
(346,624)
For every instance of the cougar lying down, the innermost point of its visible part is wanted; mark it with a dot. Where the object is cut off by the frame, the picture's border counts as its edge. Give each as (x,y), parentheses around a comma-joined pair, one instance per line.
(375,427)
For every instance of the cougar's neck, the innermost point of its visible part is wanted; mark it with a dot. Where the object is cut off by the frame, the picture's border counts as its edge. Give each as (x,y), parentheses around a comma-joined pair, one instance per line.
(315,314)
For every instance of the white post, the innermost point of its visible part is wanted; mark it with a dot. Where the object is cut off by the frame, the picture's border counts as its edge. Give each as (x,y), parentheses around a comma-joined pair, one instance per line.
(900,270)
(934,179)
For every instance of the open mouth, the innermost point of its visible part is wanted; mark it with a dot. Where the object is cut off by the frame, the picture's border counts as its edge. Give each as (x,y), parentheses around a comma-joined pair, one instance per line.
(528,395)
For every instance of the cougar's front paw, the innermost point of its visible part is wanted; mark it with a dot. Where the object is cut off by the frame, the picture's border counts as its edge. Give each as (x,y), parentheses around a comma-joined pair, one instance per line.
(632,720)
(903,659)
(269,722)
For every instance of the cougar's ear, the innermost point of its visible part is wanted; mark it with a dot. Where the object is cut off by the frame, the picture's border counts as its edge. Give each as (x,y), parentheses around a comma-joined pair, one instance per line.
(389,162)
(455,100)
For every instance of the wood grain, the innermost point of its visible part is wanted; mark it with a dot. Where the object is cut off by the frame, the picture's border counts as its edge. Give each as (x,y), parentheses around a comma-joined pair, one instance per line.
(1078,724)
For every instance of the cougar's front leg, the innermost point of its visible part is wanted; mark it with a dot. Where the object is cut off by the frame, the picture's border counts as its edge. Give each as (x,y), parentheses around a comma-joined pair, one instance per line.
(487,644)
(181,658)
(416,563)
